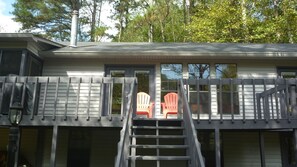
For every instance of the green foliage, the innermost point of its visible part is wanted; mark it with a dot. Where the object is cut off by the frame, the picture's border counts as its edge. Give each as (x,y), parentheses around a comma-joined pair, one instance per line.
(242,21)
(162,19)
(267,21)
(51,17)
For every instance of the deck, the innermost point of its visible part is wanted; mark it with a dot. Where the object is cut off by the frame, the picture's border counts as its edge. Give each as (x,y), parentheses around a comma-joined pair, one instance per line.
(83,101)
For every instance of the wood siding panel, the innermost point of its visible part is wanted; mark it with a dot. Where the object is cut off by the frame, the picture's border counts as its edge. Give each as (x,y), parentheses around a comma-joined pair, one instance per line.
(62,147)
(72,68)
(28,145)
(241,149)
(47,147)
(272,149)
(4,139)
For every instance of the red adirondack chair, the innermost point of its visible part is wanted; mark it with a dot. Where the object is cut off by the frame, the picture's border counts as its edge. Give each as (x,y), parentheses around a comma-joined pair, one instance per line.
(170,105)
(144,106)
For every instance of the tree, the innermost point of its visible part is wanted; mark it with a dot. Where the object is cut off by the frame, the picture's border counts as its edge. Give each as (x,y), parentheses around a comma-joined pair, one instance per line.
(267,21)
(150,21)
(52,18)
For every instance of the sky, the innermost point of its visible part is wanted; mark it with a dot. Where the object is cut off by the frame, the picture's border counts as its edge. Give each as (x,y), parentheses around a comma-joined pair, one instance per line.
(7,25)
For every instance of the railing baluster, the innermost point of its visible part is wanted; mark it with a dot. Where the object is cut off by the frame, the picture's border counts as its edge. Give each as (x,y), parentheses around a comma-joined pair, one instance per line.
(110,100)
(221,100)
(265,103)
(123,100)
(89,98)
(77,98)
(232,101)
(66,100)
(254,100)
(287,100)
(209,100)
(3,89)
(12,92)
(34,97)
(24,91)
(56,98)
(293,100)
(101,100)
(198,99)
(276,100)
(272,108)
(243,100)
(44,97)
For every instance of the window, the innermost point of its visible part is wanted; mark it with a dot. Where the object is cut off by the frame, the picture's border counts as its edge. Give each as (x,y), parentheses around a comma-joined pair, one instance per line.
(34,66)
(287,72)
(10,62)
(229,94)
(199,71)
(170,74)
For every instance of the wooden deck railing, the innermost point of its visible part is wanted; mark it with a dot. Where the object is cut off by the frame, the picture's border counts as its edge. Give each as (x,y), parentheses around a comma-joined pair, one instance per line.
(66,97)
(242,99)
(124,143)
(197,159)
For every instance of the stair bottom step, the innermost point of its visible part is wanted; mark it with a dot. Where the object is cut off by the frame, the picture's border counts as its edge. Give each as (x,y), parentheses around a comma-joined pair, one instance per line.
(161,158)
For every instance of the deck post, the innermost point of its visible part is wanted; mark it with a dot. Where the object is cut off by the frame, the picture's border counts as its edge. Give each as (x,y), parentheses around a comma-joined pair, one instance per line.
(13,146)
(217,147)
(40,146)
(262,149)
(293,102)
(295,143)
(54,146)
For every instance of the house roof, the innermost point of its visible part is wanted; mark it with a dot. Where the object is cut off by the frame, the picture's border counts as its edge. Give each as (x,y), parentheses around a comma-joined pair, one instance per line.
(176,50)
(28,37)
(50,49)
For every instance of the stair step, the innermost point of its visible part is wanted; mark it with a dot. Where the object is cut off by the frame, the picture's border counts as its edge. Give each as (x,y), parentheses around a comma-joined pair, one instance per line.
(160,127)
(160,146)
(159,136)
(138,157)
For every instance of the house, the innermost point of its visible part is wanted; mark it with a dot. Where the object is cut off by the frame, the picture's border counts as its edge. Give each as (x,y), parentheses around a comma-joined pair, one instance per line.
(237,103)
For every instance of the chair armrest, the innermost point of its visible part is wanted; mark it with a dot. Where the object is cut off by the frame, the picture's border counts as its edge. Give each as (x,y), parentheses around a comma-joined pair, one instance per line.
(163,106)
(151,109)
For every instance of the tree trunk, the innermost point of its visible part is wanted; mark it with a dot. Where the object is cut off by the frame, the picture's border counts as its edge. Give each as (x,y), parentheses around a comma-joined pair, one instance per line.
(150,32)
(244,21)
(93,23)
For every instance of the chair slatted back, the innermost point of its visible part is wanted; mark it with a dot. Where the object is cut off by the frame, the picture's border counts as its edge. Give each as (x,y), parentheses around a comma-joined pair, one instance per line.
(143,101)
(171,101)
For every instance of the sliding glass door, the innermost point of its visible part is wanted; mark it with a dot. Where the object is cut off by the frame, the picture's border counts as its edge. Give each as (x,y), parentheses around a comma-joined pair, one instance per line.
(146,81)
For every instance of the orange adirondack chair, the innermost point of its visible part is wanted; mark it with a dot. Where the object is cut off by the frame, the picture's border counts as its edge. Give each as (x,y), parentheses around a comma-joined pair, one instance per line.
(144,106)
(170,104)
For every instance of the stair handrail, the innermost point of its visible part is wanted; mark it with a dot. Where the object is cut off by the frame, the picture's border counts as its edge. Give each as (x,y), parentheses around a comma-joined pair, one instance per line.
(123,145)
(196,157)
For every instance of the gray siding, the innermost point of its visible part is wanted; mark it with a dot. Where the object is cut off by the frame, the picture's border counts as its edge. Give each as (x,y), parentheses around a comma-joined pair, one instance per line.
(28,145)
(4,139)
(242,149)
(72,68)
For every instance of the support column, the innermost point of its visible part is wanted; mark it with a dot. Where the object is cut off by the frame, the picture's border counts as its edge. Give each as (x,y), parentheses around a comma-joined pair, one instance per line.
(40,147)
(13,146)
(54,146)
(262,149)
(295,143)
(218,148)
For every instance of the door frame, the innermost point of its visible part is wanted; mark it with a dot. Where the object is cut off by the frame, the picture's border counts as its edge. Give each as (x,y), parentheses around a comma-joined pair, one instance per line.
(129,72)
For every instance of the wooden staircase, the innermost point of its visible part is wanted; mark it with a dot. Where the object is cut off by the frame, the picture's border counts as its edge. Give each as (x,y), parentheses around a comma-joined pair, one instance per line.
(158,143)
